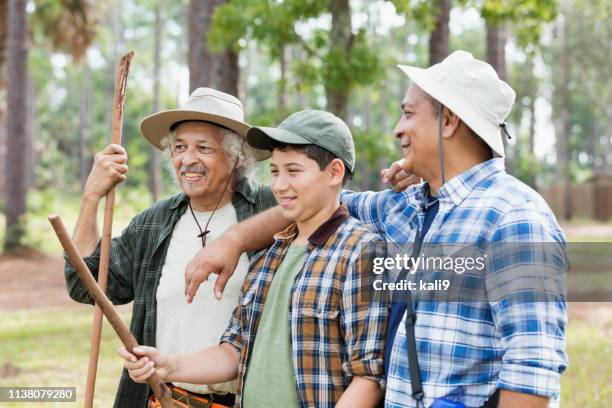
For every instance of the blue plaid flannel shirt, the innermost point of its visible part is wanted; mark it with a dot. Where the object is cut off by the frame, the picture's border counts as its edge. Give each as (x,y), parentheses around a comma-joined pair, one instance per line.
(467,350)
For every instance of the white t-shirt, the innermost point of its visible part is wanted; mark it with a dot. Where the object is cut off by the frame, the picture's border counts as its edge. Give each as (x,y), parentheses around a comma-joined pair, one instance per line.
(183,327)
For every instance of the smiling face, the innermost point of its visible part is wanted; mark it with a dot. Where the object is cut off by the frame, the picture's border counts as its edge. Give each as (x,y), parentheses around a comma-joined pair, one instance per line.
(301,188)
(417,133)
(200,162)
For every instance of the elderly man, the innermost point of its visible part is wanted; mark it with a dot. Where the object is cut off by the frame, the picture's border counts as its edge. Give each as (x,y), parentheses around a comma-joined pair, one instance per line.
(488,352)
(211,161)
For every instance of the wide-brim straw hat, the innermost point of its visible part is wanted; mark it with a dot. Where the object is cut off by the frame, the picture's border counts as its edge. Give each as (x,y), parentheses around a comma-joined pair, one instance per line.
(204,104)
(472,90)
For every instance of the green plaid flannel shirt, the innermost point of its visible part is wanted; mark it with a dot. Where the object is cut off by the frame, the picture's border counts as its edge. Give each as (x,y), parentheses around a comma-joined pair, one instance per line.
(136,261)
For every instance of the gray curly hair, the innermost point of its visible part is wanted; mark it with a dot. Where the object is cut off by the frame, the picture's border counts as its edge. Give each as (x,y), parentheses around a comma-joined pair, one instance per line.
(235,148)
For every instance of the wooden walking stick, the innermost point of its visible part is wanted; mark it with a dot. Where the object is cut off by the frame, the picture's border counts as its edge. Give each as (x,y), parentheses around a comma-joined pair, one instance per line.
(123,68)
(160,389)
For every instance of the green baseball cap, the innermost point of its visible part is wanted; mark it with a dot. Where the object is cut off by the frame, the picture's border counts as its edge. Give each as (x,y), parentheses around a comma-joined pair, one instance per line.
(315,127)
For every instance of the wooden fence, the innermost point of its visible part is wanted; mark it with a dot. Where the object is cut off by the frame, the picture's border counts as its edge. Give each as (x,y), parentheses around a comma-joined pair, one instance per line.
(589,200)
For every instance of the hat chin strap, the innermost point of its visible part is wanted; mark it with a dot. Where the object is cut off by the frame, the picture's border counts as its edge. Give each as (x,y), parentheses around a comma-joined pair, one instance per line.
(440,148)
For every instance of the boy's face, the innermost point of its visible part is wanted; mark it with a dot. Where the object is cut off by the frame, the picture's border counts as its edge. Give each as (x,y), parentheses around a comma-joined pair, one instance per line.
(300,187)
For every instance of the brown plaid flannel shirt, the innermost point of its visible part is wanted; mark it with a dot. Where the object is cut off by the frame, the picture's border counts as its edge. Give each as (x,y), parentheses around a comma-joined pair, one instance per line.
(337,324)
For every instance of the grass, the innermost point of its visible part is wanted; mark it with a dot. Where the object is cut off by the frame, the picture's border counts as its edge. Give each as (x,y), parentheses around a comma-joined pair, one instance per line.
(586,383)
(51,348)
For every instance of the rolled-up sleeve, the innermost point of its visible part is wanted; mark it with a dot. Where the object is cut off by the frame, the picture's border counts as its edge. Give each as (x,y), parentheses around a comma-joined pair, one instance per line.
(528,305)
(120,288)
(233,333)
(533,335)
(364,316)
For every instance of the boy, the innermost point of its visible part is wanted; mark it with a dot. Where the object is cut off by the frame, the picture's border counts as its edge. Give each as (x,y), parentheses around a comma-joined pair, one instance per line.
(304,332)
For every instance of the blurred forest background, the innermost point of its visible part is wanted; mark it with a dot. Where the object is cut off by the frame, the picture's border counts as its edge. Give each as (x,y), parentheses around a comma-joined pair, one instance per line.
(57,59)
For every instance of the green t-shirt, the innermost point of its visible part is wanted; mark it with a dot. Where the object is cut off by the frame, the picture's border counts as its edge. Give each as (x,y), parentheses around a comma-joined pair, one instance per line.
(270,377)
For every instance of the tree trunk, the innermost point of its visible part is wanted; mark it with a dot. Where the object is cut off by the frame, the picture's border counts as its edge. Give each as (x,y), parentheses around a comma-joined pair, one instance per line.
(496,46)
(282,83)
(155,162)
(533,95)
(109,87)
(228,72)
(594,143)
(439,37)
(564,145)
(496,39)
(216,70)
(85,126)
(3,34)
(300,99)
(605,165)
(341,38)
(364,170)
(17,104)
(2,153)
(30,160)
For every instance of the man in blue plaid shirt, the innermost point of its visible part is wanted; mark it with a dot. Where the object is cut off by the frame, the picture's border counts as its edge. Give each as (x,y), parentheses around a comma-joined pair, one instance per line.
(466,351)
(471,354)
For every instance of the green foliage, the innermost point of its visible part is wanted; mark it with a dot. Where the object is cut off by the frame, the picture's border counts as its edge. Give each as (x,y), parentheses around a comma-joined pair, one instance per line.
(526,165)
(581,39)
(268,22)
(273,25)
(59,99)
(424,12)
(372,146)
(324,66)
(527,16)
(361,67)
(589,35)
(300,29)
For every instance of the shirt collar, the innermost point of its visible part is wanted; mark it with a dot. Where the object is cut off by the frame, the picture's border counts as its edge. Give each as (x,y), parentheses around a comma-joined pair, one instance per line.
(321,234)
(178,201)
(460,186)
(245,188)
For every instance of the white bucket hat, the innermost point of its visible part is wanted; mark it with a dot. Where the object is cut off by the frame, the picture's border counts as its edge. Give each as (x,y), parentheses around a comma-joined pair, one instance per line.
(472,90)
(204,104)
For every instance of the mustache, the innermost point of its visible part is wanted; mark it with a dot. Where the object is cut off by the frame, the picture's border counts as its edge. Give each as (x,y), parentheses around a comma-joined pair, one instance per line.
(193,169)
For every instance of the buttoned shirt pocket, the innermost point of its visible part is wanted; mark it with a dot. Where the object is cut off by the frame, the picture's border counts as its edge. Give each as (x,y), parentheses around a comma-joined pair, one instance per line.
(321,326)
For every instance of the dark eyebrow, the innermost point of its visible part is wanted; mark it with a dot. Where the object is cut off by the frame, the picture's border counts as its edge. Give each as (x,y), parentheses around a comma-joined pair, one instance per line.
(408,105)
(287,165)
